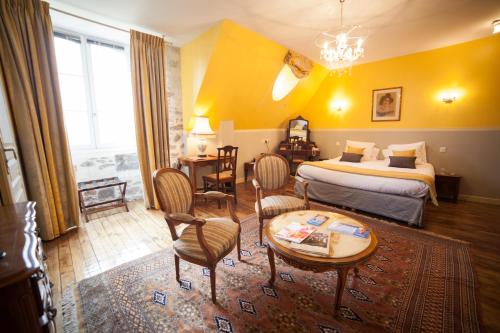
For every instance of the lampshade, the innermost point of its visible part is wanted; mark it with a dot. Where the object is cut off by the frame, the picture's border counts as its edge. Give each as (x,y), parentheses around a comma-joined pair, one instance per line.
(202,127)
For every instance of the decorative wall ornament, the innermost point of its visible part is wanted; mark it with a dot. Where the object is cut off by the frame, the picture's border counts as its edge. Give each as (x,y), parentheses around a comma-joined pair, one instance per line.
(300,65)
(386,104)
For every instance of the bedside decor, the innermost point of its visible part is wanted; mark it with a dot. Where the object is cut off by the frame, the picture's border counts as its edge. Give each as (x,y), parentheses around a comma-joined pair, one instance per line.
(202,131)
(447,187)
(386,104)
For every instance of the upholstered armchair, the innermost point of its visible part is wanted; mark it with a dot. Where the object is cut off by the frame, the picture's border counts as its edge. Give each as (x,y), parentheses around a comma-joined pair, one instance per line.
(204,241)
(271,174)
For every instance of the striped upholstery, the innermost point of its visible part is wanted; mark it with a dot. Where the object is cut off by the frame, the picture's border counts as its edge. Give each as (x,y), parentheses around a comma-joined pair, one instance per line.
(174,192)
(272,172)
(220,234)
(278,204)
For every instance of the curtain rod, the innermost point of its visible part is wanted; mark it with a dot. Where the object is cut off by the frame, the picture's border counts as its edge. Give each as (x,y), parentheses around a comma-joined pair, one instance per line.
(97,22)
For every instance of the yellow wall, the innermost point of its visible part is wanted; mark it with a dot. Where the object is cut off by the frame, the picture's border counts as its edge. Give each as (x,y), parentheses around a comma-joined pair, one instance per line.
(239,79)
(195,57)
(472,69)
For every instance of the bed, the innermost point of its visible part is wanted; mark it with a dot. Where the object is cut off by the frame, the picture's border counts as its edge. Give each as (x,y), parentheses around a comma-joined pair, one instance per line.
(371,186)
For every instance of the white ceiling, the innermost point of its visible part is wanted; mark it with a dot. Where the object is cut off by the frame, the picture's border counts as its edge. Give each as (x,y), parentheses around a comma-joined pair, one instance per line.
(392,27)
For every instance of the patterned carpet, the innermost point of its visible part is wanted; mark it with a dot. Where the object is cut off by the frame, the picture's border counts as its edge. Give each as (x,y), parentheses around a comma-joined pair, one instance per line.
(417,281)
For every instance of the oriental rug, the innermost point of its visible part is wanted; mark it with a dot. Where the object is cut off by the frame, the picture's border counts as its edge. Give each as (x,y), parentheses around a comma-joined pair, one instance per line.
(416,281)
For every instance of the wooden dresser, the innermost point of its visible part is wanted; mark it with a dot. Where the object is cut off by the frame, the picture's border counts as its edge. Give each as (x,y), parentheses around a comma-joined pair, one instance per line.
(25,290)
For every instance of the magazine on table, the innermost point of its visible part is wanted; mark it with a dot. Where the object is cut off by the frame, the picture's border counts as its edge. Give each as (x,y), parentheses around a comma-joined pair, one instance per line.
(349,229)
(295,232)
(316,243)
(318,220)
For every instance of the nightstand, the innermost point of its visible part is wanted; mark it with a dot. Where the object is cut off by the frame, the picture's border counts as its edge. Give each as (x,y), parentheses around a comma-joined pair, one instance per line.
(447,187)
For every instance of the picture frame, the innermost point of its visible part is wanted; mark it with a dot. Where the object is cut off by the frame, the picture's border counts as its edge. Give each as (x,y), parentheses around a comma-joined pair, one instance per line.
(386,104)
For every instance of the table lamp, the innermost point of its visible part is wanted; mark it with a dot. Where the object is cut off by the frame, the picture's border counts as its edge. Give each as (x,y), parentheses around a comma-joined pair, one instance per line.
(202,131)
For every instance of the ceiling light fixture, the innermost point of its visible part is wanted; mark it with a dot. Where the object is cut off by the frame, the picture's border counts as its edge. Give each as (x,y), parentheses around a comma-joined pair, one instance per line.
(496,26)
(340,50)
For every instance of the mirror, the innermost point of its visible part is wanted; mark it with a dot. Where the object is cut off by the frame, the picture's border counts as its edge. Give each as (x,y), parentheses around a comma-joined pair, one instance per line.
(298,129)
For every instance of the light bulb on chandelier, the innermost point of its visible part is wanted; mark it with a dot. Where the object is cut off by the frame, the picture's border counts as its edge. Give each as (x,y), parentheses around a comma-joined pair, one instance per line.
(340,50)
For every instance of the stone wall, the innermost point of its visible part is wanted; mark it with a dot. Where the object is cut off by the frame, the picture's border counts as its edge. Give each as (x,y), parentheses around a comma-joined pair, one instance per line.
(175,122)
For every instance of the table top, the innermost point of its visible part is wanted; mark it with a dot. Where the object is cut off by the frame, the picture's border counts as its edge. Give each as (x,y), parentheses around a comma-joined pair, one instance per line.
(194,158)
(344,249)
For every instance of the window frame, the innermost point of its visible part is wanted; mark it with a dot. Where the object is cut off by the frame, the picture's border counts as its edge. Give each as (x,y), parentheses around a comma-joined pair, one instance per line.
(90,94)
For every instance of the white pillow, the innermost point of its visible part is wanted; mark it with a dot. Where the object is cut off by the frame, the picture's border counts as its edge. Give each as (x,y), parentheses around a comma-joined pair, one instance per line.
(375,152)
(367,153)
(419,150)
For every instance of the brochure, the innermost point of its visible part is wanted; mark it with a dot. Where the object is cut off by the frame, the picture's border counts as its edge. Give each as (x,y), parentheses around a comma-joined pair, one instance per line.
(348,229)
(295,232)
(316,243)
(318,220)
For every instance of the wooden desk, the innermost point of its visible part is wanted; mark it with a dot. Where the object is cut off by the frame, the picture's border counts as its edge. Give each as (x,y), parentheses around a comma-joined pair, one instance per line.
(193,162)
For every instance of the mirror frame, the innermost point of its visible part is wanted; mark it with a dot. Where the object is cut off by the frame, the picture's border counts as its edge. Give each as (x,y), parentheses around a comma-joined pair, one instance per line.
(290,124)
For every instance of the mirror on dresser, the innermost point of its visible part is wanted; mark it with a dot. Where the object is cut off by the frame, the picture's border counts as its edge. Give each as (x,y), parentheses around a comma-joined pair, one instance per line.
(297,147)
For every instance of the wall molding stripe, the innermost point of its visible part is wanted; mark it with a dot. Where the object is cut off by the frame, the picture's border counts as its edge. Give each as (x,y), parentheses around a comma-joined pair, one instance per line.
(454,129)
(457,129)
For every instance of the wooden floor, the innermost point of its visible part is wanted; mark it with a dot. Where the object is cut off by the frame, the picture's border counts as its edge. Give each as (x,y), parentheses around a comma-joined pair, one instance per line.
(114,237)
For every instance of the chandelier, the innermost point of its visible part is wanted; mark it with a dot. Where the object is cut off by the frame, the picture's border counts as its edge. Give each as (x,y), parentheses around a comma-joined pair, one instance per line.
(340,49)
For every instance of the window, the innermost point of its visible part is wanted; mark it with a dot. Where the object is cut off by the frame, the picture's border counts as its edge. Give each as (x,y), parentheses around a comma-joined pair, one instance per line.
(96,92)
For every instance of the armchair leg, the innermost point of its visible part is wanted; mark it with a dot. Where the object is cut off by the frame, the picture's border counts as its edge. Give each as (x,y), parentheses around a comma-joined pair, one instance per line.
(234,190)
(238,247)
(261,226)
(212,284)
(177,277)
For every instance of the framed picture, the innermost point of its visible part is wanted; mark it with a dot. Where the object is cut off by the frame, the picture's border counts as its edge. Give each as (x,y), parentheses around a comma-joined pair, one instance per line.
(386,104)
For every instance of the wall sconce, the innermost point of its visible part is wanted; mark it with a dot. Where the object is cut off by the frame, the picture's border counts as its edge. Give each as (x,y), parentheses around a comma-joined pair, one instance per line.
(496,26)
(338,105)
(448,97)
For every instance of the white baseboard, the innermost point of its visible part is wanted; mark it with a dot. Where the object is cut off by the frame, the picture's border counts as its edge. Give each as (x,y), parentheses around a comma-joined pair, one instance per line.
(475,198)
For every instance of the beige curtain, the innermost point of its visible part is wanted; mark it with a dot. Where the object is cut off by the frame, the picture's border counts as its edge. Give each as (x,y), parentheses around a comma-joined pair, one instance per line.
(28,64)
(150,105)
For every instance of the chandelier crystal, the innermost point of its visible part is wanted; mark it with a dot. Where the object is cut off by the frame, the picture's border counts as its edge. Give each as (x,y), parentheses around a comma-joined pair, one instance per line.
(340,50)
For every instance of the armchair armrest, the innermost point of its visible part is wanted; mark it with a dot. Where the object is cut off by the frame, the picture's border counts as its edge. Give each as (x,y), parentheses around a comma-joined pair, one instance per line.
(305,185)
(192,220)
(185,218)
(258,194)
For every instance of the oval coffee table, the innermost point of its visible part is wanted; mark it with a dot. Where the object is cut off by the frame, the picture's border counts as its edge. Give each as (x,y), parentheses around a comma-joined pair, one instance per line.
(345,251)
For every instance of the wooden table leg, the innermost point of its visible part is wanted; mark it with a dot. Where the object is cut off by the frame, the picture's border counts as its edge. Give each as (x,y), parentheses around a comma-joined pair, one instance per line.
(245,170)
(270,255)
(341,279)
(356,271)
(192,176)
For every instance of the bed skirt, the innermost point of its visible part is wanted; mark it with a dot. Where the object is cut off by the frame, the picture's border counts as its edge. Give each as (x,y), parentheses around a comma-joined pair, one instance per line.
(401,208)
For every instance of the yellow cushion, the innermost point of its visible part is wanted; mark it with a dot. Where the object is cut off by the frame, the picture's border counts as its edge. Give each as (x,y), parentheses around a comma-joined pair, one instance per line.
(355,150)
(220,234)
(278,204)
(404,153)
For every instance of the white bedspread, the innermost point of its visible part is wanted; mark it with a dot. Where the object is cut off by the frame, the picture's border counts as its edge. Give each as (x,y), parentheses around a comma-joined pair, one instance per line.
(406,187)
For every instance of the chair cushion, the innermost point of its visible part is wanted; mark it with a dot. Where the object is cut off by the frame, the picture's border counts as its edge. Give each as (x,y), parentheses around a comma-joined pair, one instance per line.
(223,176)
(278,204)
(220,234)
